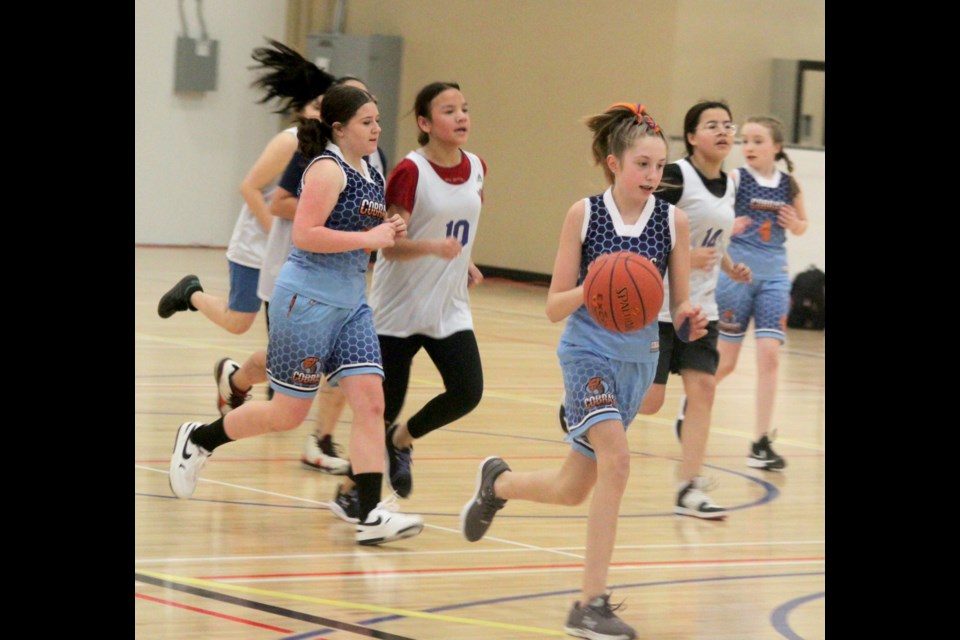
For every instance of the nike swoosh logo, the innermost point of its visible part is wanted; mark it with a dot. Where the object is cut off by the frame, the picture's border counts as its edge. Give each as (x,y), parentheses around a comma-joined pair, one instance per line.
(187,456)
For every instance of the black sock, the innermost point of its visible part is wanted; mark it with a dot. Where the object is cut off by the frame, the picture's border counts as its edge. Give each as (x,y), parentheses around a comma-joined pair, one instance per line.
(210,436)
(368,490)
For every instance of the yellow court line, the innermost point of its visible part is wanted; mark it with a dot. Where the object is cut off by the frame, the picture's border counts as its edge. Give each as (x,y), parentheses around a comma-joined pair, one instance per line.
(197,582)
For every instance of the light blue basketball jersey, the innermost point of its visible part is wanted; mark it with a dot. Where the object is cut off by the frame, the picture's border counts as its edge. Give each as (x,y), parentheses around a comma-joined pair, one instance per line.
(762,246)
(604,232)
(339,279)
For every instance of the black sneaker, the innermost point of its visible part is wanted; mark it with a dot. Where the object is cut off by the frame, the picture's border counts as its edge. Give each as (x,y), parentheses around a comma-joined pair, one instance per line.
(762,456)
(346,506)
(399,463)
(477,514)
(178,298)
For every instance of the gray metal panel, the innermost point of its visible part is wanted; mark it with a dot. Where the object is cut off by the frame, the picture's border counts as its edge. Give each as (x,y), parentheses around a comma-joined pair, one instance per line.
(783,93)
(196,65)
(377,61)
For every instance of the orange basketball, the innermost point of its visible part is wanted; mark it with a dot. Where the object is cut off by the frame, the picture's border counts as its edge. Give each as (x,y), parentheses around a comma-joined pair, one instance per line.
(623,291)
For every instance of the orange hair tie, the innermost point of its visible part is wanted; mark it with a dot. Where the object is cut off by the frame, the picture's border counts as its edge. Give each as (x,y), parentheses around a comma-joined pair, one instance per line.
(628,105)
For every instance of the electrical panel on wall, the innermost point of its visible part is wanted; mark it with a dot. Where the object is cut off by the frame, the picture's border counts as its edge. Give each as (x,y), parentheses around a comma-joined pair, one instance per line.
(377,61)
(195,68)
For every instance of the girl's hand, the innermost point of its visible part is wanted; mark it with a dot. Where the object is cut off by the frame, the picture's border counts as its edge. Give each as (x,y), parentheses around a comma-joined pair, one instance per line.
(740,224)
(704,258)
(740,273)
(399,225)
(474,277)
(690,322)
(787,218)
(448,248)
(382,235)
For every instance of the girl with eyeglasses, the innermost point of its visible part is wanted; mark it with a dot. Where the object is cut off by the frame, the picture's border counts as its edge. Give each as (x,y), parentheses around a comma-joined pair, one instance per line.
(699,186)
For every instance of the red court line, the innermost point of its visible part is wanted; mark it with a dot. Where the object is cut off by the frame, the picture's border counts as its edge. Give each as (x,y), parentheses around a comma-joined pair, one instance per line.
(449,570)
(212,613)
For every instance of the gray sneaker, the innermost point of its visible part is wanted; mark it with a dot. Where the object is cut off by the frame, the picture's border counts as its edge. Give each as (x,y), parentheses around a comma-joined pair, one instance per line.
(597,621)
(477,514)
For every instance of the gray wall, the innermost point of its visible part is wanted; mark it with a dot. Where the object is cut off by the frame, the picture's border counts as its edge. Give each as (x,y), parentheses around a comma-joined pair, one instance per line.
(192,150)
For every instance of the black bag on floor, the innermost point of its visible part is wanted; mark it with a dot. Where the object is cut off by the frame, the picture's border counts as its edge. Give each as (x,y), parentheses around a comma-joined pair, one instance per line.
(807,307)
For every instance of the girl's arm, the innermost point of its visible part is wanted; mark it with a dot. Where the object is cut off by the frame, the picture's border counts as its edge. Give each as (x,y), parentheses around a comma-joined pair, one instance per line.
(565,296)
(271,163)
(738,272)
(322,185)
(794,218)
(283,204)
(678,269)
(407,249)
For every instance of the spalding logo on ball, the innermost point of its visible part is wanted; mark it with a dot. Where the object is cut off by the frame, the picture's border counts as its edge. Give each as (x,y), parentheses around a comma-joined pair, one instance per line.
(623,291)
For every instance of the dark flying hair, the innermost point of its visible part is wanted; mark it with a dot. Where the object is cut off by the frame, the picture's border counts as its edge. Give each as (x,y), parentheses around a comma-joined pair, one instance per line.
(289,77)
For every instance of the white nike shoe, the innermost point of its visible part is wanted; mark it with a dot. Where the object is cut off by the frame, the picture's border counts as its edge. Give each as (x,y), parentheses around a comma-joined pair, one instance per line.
(383,525)
(228,398)
(323,455)
(186,461)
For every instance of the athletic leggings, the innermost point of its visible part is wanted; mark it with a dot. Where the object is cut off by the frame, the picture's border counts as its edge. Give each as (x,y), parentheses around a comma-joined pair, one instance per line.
(456,357)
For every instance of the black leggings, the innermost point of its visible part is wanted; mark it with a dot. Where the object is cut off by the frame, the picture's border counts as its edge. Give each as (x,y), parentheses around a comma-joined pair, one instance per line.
(456,357)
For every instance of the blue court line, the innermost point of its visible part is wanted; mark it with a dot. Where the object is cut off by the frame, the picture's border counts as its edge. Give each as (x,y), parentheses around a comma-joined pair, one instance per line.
(779,616)
(570,592)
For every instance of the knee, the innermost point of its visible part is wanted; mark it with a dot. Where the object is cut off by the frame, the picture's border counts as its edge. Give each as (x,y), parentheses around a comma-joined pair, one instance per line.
(371,407)
(240,323)
(725,368)
(768,360)
(615,470)
(703,390)
(287,419)
(653,401)
(470,397)
(575,495)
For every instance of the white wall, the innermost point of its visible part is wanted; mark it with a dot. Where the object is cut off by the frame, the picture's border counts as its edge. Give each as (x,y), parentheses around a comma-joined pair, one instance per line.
(192,150)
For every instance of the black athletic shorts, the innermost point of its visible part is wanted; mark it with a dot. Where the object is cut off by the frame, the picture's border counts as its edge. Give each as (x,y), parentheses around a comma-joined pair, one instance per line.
(675,354)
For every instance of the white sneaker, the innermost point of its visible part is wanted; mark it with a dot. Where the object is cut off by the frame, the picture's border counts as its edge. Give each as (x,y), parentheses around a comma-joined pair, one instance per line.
(186,461)
(228,398)
(692,501)
(322,454)
(383,525)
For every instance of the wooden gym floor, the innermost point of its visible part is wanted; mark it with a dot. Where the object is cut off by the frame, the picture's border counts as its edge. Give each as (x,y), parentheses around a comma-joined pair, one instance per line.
(256,554)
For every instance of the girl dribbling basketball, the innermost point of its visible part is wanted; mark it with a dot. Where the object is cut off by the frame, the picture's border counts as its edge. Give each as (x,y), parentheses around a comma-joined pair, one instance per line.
(606,374)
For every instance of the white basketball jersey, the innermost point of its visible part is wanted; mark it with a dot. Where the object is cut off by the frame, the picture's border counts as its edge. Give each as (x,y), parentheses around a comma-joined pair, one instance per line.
(249,240)
(710,219)
(428,295)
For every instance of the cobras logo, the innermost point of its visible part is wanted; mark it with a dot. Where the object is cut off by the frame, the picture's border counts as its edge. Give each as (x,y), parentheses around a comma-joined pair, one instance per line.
(597,394)
(596,385)
(728,319)
(310,371)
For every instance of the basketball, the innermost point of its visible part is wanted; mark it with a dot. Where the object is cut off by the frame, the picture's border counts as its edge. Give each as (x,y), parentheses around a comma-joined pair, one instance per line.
(623,292)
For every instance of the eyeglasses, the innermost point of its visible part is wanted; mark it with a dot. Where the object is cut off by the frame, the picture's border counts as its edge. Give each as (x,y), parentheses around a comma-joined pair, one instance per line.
(713,126)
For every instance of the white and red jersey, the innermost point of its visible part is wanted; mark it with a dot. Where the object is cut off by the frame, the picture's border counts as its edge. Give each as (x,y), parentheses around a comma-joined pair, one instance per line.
(428,295)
